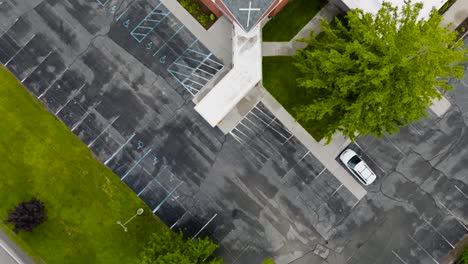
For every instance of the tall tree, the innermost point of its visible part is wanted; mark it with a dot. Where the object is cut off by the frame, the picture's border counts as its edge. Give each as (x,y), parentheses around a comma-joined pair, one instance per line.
(374,73)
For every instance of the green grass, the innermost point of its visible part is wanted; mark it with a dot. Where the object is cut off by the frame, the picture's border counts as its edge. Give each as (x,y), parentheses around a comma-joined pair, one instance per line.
(279,78)
(40,157)
(291,19)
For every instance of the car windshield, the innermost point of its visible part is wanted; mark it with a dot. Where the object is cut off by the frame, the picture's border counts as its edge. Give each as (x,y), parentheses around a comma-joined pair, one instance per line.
(353,162)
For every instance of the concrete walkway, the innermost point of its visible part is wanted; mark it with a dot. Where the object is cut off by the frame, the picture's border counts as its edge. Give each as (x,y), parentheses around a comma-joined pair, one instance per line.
(289,48)
(456,14)
(10,253)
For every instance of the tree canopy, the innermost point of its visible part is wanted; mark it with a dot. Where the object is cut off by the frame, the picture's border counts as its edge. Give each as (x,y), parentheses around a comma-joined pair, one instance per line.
(168,247)
(374,73)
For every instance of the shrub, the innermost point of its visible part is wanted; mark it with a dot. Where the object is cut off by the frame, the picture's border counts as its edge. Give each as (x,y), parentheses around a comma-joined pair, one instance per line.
(268,261)
(212,17)
(168,247)
(204,19)
(27,215)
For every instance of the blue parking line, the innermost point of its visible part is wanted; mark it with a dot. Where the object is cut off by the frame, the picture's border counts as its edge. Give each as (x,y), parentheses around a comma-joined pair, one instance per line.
(102,2)
(148,29)
(165,43)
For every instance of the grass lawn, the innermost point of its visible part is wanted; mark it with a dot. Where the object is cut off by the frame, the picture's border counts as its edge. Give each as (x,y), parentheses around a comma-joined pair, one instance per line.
(279,78)
(291,19)
(40,157)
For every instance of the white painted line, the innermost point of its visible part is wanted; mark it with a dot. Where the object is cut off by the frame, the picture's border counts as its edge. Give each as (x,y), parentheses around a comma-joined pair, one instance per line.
(466,196)
(203,228)
(368,156)
(35,68)
(136,164)
(81,120)
(456,217)
(12,255)
(417,131)
(103,131)
(446,240)
(119,149)
(73,95)
(399,257)
(419,245)
(394,145)
(19,50)
(176,222)
(336,190)
(320,173)
(242,253)
(47,89)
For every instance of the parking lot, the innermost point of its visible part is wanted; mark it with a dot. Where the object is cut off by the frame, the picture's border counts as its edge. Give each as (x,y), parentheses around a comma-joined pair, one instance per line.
(121,75)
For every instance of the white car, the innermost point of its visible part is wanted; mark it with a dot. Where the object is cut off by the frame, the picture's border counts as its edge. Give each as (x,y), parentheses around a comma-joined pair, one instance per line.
(358,167)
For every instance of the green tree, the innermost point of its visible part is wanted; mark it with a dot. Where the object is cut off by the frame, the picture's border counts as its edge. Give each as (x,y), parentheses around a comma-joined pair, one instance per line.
(374,73)
(464,257)
(168,247)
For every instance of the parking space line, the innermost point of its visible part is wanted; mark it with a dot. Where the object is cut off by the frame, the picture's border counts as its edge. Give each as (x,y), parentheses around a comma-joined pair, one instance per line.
(240,255)
(136,164)
(355,204)
(394,253)
(458,189)
(18,51)
(369,157)
(321,172)
(394,145)
(35,68)
(52,84)
(176,222)
(73,95)
(85,115)
(438,232)
(166,41)
(336,190)
(102,2)
(417,131)
(167,197)
(203,228)
(119,149)
(456,217)
(152,180)
(139,37)
(419,245)
(103,131)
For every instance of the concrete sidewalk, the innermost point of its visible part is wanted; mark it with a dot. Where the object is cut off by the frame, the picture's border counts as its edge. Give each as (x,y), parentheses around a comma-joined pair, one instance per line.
(10,253)
(456,14)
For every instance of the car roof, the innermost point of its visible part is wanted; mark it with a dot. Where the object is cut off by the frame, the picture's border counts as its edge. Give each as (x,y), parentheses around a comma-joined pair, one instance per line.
(364,171)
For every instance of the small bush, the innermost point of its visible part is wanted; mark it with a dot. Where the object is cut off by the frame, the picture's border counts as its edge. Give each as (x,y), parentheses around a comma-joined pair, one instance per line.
(268,261)
(212,17)
(27,215)
(204,19)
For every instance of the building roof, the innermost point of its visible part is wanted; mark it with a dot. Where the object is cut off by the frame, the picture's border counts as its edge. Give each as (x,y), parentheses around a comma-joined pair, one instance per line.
(248,12)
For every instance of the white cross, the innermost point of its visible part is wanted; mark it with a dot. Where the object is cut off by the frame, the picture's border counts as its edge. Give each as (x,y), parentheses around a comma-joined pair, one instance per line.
(249,9)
